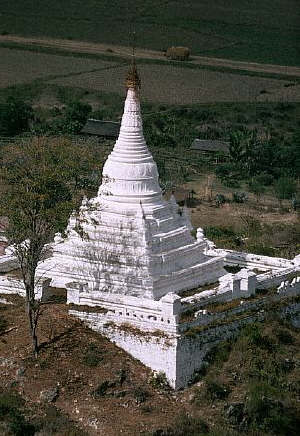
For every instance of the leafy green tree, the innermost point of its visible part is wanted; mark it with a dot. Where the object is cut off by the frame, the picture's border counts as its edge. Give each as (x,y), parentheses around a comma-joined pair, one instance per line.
(290,155)
(76,116)
(237,146)
(256,187)
(243,150)
(15,117)
(285,188)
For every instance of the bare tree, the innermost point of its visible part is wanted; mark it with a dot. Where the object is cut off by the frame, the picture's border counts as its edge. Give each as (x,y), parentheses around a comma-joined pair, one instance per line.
(37,197)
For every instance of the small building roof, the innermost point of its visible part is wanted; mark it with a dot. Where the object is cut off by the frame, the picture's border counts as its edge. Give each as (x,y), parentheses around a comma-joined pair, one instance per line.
(210,145)
(108,129)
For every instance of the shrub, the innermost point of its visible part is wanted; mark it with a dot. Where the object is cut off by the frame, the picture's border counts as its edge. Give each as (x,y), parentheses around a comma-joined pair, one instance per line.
(285,337)
(256,187)
(185,425)
(194,233)
(284,106)
(159,381)
(9,401)
(265,179)
(233,269)
(15,116)
(10,413)
(74,118)
(296,204)
(3,325)
(92,356)
(255,337)
(219,353)
(251,225)
(121,376)
(77,111)
(216,391)
(268,413)
(212,232)
(285,188)
(239,197)
(140,395)
(220,200)
(261,249)
(54,422)
(101,389)
(229,174)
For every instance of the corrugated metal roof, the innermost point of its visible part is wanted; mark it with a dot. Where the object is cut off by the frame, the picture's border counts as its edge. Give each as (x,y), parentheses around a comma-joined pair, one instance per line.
(210,145)
(101,128)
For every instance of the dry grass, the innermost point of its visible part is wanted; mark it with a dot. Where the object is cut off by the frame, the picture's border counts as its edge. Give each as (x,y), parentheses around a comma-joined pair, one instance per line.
(267,210)
(23,66)
(175,85)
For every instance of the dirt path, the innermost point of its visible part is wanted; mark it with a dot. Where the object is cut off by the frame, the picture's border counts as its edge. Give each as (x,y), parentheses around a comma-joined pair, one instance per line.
(94,48)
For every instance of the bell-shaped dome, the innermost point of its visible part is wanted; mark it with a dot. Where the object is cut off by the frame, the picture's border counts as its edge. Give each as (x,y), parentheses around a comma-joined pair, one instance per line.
(130,174)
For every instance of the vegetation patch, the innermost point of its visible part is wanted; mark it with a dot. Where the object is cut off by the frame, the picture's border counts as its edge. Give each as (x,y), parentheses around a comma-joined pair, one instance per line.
(266,412)
(216,391)
(134,331)
(223,307)
(3,324)
(92,356)
(102,389)
(191,292)
(187,315)
(87,309)
(140,395)
(159,381)
(12,415)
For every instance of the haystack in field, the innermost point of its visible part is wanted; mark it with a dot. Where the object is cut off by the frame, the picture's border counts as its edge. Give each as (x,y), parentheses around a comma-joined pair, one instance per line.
(178,53)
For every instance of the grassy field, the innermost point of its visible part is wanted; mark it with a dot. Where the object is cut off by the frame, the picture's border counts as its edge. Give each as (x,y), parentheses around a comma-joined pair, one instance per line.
(261,30)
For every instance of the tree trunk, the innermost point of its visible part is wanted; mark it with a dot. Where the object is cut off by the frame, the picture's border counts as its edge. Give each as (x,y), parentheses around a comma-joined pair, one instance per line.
(32,327)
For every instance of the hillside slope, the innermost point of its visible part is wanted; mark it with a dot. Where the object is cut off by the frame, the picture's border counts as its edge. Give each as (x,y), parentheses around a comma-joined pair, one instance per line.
(250,385)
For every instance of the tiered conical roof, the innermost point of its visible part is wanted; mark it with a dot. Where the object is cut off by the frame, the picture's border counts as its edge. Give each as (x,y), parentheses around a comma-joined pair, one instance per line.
(130,174)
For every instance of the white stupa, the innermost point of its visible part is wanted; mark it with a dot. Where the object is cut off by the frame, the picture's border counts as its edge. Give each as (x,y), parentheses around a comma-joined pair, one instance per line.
(129,240)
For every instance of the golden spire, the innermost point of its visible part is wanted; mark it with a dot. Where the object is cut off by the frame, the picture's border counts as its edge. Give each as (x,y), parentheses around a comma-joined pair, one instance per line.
(132,79)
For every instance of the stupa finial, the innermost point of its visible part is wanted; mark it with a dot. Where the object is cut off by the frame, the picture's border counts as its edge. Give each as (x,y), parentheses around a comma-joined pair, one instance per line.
(133,80)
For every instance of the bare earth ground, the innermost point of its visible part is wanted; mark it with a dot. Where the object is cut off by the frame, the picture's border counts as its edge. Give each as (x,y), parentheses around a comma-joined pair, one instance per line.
(86,47)
(61,364)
